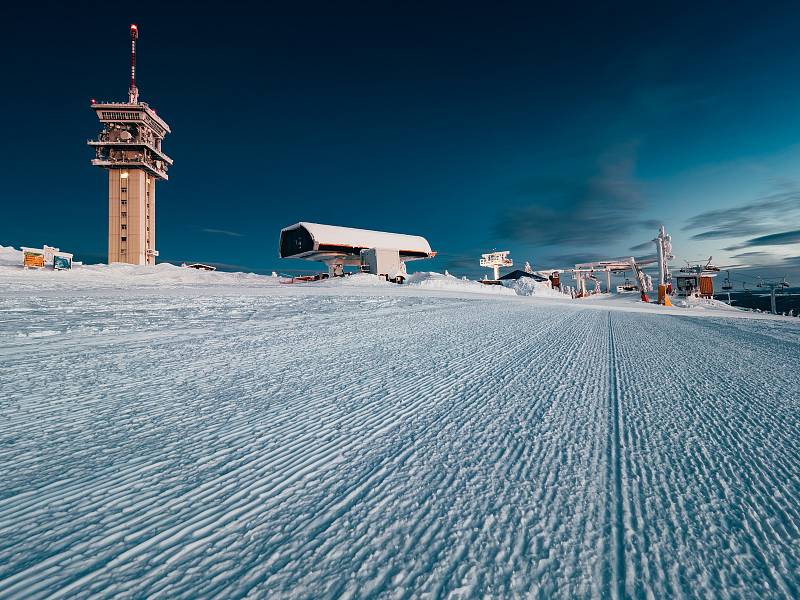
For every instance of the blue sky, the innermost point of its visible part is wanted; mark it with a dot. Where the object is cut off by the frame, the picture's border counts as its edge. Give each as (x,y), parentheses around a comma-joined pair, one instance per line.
(559,133)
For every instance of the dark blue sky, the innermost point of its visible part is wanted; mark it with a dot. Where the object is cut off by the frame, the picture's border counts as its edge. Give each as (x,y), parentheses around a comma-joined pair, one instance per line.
(560,133)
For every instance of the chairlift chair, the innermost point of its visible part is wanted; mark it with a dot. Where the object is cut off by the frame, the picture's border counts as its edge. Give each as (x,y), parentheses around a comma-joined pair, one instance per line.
(726,285)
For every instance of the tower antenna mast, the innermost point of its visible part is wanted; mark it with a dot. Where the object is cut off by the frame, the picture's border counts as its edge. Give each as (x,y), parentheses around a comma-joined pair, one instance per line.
(133,91)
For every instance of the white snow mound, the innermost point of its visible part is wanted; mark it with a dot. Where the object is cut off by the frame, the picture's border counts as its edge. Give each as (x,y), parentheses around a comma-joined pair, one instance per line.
(10,256)
(355,280)
(117,275)
(438,281)
(527,286)
(704,304)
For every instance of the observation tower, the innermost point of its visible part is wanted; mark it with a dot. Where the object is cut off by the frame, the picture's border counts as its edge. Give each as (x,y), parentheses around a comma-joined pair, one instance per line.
(129,148)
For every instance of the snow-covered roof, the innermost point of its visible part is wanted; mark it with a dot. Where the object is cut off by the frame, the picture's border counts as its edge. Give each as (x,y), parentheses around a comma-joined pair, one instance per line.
(363,238)
(331,243)
(516,274)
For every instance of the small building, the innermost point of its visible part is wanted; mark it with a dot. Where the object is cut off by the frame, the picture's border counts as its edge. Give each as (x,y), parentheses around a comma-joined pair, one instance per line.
(519,274)
(698,284)
(199,267)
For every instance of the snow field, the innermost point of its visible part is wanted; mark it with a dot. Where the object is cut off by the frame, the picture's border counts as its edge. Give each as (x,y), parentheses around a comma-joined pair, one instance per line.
(710,462)
(314,442)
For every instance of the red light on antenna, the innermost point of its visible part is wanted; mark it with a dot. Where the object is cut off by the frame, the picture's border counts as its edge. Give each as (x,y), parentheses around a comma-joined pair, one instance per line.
(133,26)
(94,101)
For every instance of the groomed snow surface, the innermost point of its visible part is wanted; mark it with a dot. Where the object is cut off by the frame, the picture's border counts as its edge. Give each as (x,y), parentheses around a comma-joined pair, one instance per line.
(179,434)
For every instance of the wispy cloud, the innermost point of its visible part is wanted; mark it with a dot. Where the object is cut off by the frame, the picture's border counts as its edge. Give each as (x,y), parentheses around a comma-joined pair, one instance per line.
(757,256)
(460,262)
(569,259)
(775,239)
(587,211)
(791,262)
(772,266)
(642,246)
(758,217)
(223,232)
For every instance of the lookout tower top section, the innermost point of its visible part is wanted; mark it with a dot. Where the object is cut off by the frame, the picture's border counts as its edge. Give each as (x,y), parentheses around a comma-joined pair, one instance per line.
(132,131)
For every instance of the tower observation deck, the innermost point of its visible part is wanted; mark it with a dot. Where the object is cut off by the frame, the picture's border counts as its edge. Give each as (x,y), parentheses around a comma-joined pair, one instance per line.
(129,148)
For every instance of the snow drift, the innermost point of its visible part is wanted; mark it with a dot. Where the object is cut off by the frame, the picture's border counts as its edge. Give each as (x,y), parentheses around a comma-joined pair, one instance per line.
(527,286)
(438,281)
(10,256)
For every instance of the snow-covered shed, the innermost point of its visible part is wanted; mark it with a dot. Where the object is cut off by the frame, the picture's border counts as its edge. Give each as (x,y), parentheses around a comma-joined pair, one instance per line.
(199,267)
(519,273)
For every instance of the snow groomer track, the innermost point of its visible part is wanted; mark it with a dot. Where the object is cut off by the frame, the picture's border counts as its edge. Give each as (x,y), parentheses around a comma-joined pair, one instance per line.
(282,443)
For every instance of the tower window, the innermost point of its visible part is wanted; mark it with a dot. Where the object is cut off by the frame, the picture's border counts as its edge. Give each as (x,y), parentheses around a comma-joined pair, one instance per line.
(124,214)
(124,226)
(124,190)
(123,201)
(124,239)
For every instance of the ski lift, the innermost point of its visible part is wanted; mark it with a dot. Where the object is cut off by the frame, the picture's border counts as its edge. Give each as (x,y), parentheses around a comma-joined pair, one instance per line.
(726,285)
(627,286)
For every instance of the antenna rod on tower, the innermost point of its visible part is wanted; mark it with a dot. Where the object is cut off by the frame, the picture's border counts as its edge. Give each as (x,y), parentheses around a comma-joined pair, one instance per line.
(133,92)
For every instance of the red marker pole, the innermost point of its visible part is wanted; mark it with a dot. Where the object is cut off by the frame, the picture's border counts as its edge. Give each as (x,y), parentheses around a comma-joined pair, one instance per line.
(133,93)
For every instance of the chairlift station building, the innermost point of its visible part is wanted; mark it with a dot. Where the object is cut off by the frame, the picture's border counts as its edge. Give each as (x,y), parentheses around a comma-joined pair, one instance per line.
(338,247)
(129,148)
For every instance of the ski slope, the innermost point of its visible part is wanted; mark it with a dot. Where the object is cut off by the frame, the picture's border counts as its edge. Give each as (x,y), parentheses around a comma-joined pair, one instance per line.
(232,437)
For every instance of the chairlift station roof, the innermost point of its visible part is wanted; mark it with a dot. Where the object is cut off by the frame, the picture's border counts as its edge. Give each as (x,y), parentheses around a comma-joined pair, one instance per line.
(314,241)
